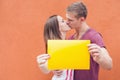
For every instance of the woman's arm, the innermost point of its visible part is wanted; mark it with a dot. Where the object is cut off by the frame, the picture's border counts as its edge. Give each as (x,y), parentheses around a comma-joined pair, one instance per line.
(42,62)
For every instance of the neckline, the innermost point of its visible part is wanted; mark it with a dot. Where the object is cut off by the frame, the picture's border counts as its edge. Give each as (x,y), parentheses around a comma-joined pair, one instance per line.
(85,33)
(82,35)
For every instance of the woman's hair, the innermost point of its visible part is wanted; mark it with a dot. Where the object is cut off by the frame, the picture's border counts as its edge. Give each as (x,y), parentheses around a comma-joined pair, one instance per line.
(51,29)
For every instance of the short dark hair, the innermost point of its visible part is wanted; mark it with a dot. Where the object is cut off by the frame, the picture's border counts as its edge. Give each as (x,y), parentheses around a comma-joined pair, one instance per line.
(78,8)
(51,29)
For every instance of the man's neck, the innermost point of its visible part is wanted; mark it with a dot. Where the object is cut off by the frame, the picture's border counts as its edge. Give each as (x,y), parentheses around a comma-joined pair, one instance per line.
(81,30)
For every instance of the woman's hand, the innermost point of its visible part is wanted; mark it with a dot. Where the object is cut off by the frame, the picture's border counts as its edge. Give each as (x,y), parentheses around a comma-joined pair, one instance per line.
(57,72)
(42,62)
(42,59)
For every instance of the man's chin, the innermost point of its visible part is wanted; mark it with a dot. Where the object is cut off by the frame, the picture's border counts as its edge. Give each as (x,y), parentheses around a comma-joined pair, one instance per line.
(71,27)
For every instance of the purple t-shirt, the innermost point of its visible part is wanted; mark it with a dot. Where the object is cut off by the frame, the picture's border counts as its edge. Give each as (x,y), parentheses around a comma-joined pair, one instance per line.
(91,74)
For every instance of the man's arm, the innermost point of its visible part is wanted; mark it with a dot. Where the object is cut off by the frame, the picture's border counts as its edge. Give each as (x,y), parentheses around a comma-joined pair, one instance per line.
(101,56)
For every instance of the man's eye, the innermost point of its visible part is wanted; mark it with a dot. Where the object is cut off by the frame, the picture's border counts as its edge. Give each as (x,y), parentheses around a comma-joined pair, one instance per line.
(70,20)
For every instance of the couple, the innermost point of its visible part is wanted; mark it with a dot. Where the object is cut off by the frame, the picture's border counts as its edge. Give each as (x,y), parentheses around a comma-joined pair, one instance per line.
(56,28)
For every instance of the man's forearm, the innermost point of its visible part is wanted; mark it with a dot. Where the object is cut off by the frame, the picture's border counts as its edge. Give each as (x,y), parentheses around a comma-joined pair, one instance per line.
(105,60)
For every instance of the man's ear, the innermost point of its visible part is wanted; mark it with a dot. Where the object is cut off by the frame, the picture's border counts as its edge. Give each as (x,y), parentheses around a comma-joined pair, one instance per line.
(82,19)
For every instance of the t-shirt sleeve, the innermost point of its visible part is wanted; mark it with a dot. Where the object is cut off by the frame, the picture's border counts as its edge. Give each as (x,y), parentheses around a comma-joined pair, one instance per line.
(97,39)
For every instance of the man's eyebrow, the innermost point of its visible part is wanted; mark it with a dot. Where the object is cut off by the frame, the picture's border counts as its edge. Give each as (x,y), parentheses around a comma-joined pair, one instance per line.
(69,19)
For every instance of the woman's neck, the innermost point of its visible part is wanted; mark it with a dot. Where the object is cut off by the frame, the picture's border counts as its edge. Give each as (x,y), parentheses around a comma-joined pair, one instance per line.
(63,35)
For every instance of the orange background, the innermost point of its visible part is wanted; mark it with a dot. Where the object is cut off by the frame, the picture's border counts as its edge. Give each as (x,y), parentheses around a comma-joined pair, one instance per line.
(21,34)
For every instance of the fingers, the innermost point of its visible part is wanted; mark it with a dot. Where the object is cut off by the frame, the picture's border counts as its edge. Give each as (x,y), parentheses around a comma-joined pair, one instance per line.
(93,46)
(58,72)
(42,59)
(94,49)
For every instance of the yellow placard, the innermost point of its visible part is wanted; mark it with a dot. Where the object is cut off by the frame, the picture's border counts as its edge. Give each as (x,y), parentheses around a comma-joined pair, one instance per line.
(68,54)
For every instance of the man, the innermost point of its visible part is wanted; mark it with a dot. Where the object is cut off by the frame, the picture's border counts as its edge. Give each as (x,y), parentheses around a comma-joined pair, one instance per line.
(76,15)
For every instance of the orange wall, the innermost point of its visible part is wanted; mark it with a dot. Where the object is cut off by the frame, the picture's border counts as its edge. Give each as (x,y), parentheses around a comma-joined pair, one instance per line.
(21,34)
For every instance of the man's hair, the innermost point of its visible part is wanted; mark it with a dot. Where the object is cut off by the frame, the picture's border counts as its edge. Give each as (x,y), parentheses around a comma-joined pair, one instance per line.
(78,8)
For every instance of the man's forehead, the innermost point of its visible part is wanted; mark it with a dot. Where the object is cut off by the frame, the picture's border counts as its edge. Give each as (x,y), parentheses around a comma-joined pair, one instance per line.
(68,15)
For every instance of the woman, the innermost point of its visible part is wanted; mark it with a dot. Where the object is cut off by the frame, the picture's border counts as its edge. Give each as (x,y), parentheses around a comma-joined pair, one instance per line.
(55,28)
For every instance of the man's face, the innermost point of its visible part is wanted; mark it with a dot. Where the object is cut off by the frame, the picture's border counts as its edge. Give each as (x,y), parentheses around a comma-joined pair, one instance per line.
(72,21)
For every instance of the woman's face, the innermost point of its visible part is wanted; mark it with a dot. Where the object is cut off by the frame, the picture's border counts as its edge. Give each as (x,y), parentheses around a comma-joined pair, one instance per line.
(63,27)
